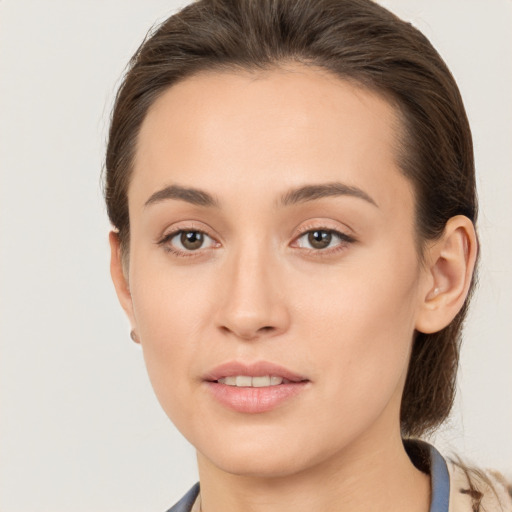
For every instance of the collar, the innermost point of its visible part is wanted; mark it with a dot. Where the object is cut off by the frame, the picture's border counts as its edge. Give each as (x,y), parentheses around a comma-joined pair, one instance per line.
(427,459)
(440,482)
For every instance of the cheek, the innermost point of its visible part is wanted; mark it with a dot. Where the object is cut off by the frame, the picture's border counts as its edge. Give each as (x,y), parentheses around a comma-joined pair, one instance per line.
(360,329)
(169,312)
(170,302)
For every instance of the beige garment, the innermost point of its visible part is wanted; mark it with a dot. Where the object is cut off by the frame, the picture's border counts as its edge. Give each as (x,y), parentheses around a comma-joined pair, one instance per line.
(478,491)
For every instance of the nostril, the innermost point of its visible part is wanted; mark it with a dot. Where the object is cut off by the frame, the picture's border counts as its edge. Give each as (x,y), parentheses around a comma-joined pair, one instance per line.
(250,334)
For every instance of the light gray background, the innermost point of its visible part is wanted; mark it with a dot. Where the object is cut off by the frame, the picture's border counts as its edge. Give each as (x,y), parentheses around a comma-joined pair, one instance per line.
(80,428)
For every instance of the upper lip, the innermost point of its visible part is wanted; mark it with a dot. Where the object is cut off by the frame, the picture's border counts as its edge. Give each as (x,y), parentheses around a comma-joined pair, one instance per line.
(256,369)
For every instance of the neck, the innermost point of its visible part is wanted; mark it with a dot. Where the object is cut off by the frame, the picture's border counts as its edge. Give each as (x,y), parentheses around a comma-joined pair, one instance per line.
(367,476)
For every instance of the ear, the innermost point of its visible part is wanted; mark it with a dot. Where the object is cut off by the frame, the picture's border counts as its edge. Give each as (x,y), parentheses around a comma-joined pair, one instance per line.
(450,262)
(119,277)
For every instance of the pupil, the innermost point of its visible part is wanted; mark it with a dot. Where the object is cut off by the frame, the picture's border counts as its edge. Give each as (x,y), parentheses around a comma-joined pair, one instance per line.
(192,239)
(320,239)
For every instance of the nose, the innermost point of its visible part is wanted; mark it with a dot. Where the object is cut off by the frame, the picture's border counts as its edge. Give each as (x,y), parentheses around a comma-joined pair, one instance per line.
(252,304)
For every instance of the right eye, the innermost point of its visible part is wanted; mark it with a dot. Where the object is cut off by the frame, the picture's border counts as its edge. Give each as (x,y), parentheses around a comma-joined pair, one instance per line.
(187,241)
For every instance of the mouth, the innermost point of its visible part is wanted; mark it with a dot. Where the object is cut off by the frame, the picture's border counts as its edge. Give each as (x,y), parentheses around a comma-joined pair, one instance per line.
(254,375)
(247,381)
(253,388)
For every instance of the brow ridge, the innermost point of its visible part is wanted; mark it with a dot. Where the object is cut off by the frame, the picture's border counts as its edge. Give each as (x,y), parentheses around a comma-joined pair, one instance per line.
(314,192)
(188,194)
(295,196)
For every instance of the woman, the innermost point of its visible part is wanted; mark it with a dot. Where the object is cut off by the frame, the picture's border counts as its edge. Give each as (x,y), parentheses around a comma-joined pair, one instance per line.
(292,188)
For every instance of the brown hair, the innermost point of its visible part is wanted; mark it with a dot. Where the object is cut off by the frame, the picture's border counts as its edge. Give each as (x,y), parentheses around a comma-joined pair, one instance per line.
(355,40)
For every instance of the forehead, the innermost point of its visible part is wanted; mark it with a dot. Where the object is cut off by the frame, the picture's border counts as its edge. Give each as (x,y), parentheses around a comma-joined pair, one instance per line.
(276,127)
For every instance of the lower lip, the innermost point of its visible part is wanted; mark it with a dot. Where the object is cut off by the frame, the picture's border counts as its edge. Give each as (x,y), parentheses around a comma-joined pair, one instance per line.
(254,400)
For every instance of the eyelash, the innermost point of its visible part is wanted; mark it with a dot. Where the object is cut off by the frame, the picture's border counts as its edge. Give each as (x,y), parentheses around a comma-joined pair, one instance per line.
(344,241)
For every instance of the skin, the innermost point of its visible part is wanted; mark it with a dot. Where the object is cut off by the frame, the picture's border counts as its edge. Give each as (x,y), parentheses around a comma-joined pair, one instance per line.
(343,316)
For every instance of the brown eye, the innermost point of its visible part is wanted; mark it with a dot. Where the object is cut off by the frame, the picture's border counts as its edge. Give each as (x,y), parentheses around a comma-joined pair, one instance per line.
(191,240)
(319,239)
(187,241)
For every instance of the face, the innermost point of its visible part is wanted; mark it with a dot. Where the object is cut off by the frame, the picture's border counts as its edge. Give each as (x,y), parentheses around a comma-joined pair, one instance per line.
(273,276)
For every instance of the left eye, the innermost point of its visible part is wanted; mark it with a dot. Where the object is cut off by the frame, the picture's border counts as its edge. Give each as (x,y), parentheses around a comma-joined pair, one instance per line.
(322,239)
(189,240)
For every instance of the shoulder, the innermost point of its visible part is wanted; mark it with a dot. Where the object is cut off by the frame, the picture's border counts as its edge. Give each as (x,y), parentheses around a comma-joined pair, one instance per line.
(476,490)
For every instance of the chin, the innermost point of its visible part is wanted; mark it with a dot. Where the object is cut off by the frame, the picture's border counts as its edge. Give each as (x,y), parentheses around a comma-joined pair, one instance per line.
(259,456)
(261,466)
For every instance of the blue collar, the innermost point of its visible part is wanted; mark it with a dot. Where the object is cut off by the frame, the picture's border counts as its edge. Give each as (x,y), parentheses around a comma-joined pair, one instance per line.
(427,459)
(440,479)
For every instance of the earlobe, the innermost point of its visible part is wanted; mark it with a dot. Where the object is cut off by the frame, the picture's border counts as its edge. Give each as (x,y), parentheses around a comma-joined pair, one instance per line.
(449,271)
(119,277)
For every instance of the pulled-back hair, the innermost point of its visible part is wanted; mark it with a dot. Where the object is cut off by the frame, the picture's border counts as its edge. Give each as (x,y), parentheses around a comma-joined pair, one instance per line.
(356,40)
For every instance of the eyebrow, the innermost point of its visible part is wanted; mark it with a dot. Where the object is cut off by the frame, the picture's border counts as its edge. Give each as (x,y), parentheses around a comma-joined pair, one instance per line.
(295,196)
(188,194)
(313,192)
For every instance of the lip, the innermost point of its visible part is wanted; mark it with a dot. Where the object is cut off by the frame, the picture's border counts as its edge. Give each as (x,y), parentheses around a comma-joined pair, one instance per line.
(254,400)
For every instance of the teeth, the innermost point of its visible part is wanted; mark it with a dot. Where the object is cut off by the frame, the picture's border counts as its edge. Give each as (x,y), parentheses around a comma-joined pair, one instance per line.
(260,382)
(243,381)
(246,381)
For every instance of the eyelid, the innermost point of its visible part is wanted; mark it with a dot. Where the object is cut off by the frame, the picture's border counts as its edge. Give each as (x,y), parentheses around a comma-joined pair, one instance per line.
(324,225)
(344,238)
(190,225)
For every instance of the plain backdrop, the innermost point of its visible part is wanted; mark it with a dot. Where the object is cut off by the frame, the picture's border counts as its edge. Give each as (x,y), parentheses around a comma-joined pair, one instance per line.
(80,428)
